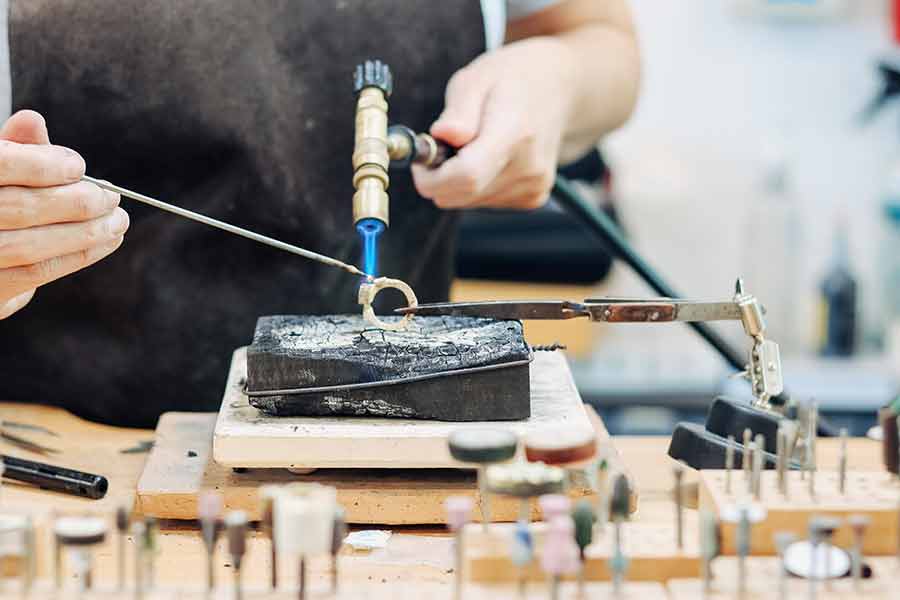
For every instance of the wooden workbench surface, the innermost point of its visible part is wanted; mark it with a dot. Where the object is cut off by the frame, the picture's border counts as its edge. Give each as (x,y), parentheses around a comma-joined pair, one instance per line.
(412,555)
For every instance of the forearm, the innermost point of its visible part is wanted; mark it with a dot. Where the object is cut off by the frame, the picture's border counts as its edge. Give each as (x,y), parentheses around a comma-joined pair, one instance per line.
(596,56)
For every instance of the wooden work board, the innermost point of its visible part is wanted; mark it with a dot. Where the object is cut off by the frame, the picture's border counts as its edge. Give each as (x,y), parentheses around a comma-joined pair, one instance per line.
(567,591)
(246,437)
(871,493)
(180,468)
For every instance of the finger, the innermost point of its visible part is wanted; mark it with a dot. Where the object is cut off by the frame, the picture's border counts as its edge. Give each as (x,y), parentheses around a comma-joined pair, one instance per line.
(26,127)
(37,244)
(527,195)
(465,177)
(464,100)
(15,304)
(38,166)
(21,279)
(22,207)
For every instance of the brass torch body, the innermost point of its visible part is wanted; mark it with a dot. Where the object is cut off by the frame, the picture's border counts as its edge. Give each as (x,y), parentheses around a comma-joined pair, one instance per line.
(370,157)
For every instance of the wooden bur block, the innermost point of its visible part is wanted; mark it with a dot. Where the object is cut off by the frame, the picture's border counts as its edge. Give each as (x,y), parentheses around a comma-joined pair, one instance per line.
(651,550)
(440,368)
(871,493)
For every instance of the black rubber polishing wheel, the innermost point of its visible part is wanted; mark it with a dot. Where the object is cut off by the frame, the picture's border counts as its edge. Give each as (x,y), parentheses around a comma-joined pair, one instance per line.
(482,446)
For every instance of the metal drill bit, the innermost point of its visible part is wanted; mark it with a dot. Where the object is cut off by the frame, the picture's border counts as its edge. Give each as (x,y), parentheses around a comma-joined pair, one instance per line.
(812,434)
(209,508)
(602,496)
(138,531)
(619,503)
(729,463)
(267,495)
(709,547)
(245,233)
(758,458)
(842,462)
(678,472)
(858,523)
(748,436)
(236,526)
(338,533)
(57,560)
(122,518)
(750,458)
(151,546)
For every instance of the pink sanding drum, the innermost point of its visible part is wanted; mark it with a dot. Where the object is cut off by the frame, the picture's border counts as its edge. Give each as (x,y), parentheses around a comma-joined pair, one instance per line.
(560,554)
(554,505)
(459,511)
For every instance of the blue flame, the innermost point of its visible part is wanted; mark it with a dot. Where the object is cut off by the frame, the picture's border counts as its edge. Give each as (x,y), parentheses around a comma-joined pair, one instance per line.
(370,230)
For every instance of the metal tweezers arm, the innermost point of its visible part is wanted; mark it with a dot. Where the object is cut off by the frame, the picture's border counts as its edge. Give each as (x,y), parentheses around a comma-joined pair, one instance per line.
(661,310)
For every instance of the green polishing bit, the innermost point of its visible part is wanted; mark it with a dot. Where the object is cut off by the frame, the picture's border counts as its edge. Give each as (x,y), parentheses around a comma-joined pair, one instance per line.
(584,518)
(621,497)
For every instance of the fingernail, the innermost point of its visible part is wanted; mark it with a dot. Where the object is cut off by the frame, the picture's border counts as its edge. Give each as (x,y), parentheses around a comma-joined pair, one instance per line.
(112,199)
(74,165)
(118,223)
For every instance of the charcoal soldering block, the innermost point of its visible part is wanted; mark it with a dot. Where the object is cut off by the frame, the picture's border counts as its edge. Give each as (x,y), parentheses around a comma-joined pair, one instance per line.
(439,368)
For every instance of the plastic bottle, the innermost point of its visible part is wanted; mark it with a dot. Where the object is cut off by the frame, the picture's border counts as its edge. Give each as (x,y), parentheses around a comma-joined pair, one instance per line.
(838,299)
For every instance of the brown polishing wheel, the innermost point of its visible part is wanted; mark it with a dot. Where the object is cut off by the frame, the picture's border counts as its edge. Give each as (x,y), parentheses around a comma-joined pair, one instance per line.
(560,447)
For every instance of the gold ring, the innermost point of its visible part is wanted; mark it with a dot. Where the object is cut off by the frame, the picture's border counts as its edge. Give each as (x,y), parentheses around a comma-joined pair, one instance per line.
(367,293)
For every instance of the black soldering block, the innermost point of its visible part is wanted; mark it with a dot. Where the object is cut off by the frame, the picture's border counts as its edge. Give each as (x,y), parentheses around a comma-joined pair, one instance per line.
(440,368)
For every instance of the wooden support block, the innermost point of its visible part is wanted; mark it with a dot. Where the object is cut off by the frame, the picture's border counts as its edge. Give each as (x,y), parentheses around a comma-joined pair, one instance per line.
(651,551)
(762,582)
(245,437)
(180,468)
(871,493)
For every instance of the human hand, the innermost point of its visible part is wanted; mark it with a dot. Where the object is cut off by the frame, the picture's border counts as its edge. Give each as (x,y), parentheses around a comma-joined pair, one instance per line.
(507,112)
(51,223)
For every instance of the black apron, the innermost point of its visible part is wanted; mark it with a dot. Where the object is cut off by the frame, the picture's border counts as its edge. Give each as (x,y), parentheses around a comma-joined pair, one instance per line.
(242,110)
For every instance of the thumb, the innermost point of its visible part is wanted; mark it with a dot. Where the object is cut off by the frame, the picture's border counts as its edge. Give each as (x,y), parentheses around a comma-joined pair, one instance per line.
(461,120)
(26,127)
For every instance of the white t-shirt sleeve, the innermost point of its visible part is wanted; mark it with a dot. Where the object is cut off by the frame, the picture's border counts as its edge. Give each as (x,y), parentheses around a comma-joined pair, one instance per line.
(498,12)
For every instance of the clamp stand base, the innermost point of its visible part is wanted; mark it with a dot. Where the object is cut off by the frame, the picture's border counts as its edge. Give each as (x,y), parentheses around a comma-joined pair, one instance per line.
(703,447)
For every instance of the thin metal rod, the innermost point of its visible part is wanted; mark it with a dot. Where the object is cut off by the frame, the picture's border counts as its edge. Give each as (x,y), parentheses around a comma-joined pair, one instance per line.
(616,244)
(245,233)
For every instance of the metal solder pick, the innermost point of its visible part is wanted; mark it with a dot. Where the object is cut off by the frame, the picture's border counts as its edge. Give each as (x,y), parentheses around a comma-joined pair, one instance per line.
(245,233)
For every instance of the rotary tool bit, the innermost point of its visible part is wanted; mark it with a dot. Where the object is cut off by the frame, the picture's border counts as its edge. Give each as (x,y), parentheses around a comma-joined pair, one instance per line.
(338,533)
(459,511)
(859,524)
(122,519)
(209,510)
(678,472)
(236,527)
(729,463)
(583,517)
(618,507)
(483,447)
